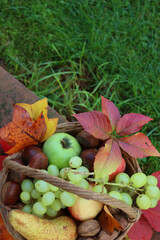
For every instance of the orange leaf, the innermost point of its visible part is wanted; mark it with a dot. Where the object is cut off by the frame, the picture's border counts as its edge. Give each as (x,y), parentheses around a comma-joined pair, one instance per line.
(4,234)
(30,126)
(35,110)
(107,159)
(108,222)
(23,131)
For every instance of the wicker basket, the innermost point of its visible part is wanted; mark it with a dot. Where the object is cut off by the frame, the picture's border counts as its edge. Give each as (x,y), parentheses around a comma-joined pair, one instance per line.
(132,166)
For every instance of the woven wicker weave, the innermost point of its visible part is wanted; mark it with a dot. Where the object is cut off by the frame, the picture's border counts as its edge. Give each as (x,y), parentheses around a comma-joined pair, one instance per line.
(132,166)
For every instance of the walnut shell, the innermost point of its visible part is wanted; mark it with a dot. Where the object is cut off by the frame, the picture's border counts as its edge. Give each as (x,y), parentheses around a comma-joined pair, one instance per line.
(105,236)
(88,228)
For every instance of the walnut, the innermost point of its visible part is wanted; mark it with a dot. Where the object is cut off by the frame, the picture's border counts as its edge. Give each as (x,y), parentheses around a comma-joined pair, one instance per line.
(122,220)
(105,236)
(88,228)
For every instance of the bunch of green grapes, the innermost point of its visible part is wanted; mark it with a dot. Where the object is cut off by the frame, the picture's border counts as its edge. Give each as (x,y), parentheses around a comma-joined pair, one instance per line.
(140,187)
(42,198)
(76,173)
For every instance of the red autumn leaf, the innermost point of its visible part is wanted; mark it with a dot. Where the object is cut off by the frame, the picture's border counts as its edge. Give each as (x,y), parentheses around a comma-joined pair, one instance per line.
(4,234)
(141,230)
(5,145)
(157,175)
(153,217)
(108,222)
(138,146)
(95,123)
(131,123)
(107,159)
(23,131)
(111,111)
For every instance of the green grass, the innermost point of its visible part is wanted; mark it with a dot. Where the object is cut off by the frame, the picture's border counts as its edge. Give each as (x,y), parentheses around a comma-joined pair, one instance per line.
(74,51)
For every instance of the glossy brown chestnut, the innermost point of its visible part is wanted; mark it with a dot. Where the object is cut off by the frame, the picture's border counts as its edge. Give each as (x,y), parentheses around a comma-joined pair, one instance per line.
(38,161)
(16,176)
(87,140)
(30,152)
(10,193)
(88,157)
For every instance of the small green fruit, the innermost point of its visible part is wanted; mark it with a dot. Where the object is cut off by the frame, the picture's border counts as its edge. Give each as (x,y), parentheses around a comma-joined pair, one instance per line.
(60,147)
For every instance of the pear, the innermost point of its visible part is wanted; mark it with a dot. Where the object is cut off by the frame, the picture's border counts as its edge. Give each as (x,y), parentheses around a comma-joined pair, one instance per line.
(34,228)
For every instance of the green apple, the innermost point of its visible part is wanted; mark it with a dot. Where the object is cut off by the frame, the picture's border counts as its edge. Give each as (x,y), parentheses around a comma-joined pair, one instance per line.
(60,147)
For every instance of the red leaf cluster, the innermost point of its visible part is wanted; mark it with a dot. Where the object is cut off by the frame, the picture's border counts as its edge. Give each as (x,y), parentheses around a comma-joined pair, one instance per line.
(113,129)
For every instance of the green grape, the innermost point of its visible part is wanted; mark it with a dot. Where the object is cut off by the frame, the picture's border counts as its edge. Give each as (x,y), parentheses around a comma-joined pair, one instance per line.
(129,191)
(38,215)
(51,212)
(152,180)
(152,191)
(74,177)
(143,201)
(25,196)
(27,185)
(67,199)
(27,208)
(138,180)
(53,188)
(122,178)
(116,195)
(127,198)
(48,198)
(64,172)
(154,202)
(35,194)
(83,170)
(39,208)
(56,205)
(62,205)
(116,188)
(58,193)
(75,162)
(35,180)
(84,184)
(99,188)
(42,186)
(40,199)
(53,170)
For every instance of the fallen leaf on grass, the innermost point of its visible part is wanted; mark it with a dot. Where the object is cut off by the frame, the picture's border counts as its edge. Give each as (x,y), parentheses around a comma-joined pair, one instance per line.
(108,222)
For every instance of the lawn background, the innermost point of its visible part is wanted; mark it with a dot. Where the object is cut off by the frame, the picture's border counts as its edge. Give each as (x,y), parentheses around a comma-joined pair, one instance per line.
(72,52)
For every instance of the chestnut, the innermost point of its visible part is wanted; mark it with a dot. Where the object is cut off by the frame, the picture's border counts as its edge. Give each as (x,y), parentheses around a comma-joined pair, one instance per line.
(30,152)
(16,176)
(38,161)
(87,140)
(10,193)
(88,157)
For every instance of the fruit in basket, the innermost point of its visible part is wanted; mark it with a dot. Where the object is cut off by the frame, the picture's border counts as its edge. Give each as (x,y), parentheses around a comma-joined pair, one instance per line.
(39,161)
(60,147)
(35,158)
(84,209)
(92,208)
(16,176)
(30,152)
(34,228)
(88,157)
(10,193)
(87,140)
